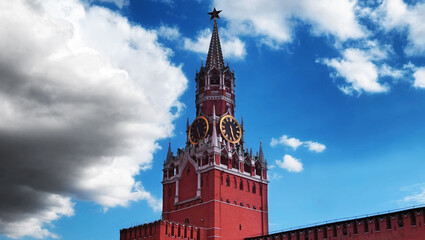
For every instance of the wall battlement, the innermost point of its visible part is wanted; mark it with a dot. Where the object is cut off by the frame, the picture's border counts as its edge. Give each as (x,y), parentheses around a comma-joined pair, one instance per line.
(400,225)
(162,230)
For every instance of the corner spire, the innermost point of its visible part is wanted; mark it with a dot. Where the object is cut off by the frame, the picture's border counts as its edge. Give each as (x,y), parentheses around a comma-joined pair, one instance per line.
(215,55)
(170,156)
(261,154)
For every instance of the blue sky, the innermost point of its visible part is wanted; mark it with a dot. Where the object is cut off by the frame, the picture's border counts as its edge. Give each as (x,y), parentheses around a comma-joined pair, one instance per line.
(91,92)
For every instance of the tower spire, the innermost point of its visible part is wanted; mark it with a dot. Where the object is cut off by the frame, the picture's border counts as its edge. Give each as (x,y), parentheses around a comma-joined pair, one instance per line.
(169,153)
(215,55)
(261,154)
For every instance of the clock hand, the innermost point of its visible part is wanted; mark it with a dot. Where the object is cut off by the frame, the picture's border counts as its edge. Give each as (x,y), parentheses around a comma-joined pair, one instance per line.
(199,135)
(231,131)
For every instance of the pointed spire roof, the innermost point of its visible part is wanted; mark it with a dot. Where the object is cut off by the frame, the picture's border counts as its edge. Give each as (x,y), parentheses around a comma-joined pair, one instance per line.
(261,154)
(170,153)
(215,56)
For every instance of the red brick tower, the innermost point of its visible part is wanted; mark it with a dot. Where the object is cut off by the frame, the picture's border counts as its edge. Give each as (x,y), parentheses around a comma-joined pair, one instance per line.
(214,182)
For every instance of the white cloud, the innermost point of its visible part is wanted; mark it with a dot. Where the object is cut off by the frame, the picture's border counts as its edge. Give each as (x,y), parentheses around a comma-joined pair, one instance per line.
(419,76)
(81,92)
(337,18)
(397,15)
(416,195)
(273,20)
(294,143)
(386,70)
(358,70)
(290,163)
(284,140)
(169,33)
(232,47)
(315,146)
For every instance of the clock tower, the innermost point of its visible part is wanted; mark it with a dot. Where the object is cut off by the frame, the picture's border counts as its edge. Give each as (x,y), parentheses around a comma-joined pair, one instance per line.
(214,182)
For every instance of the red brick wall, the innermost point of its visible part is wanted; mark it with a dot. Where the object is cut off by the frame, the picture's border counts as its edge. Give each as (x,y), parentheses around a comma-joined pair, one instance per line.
(402,225)
(162,230)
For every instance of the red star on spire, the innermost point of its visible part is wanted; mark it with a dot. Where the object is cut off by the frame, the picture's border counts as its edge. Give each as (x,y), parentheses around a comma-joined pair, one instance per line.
(214,14)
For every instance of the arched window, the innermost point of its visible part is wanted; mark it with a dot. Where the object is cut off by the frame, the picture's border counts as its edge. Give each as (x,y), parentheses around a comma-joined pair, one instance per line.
(247,166)
(344,229)
(228,81)
(172,170)
(235,162)
(247,186)
(254,190)
(335,233)
(201,82)
(227,181)
(215,78)
(325,232)
(257,168)
(223,159)
(236,184)
(241,185)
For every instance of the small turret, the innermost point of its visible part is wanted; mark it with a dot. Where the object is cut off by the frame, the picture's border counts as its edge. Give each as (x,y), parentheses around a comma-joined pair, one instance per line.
(260,153)
(170,156)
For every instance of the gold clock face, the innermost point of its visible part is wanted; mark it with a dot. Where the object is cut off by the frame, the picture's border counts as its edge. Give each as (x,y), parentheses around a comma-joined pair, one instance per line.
(198,130)
(230,129)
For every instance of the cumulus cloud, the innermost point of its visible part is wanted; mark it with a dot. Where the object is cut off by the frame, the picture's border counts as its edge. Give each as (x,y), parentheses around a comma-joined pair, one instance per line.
(169,33)
(419,76)
(397,15)
(294,143)
(285,140)
(80,113)
(290,163)
(273,20)
(358,70)
(232,47)
(315,146)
